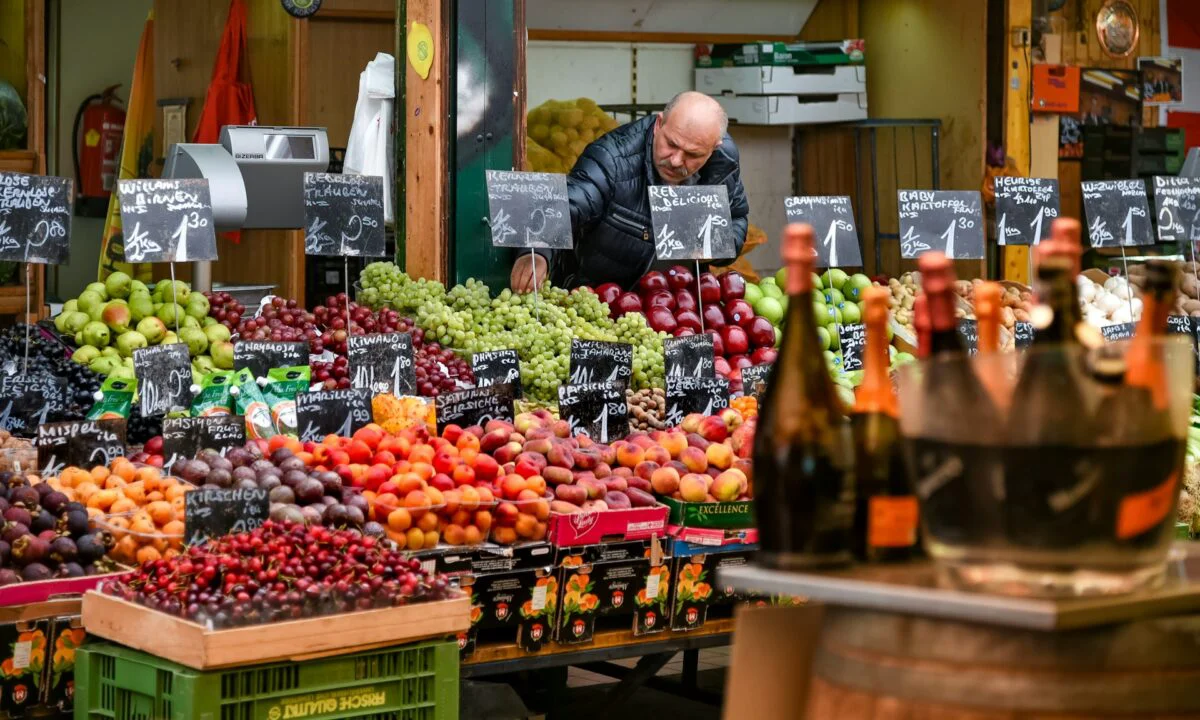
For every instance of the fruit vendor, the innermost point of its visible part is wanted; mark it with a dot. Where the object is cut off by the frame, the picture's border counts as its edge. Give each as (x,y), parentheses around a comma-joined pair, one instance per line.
(685,144)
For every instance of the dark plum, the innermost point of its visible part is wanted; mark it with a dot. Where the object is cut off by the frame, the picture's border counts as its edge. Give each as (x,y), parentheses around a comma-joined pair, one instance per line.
(270,482)
(220,478)
(239,457)
(312,514)
(357,516)
(262,464)
(195,472)
(244,473)
(309,491)
(19,515)
(36,571)
(282,494)
(246,485)
(56,502)
(292,463)
(374,529)
(356,500)
(293,478)
(29,549)
(221,463)
(63,549)
(337,516)
(280,455)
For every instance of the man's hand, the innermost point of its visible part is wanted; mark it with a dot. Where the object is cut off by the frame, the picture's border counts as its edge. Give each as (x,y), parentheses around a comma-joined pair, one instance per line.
(527,270)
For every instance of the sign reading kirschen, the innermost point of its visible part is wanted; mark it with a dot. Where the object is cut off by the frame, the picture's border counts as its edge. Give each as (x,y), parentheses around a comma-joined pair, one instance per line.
(946,220)
(691,222)
(529,210)
(1025,208)
(832,218)
(1117,213)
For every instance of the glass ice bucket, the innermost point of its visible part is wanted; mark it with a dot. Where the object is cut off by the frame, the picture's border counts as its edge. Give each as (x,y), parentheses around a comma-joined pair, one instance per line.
(1080,502)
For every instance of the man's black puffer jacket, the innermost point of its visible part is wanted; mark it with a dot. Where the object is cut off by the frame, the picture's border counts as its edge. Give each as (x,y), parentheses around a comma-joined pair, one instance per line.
(610,206)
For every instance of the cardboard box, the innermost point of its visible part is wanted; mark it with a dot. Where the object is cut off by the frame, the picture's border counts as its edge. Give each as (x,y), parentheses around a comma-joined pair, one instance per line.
(629,579)
(590,528)
(738,514)
(839,52)
(794,80)
(794,109)
(694,586)
(66,635)
(515,605)
(23,656)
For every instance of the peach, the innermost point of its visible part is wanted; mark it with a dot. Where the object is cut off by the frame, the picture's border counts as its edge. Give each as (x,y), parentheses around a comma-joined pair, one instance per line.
(454,534)
(584,441)
(427,522)
(616,484)
(540,446)
(525,525)
(399,520)
(728,485)
(576,494)
(639,484)
(526,495)
(451,432)
(679,467)
(693,488)
(629,455)
(507,452)
(483,520)
(557,475)
(719,456)
(431,539)
(595,506)
(512,486)
(641,439)
(461,517)
(561,455)
(695,459)
(586,458)
(622,472)
(658,454)
(525,422)
(561,428)
(486,468)
(691,422)
(541,510)
(539,530)
(463,475)
(713,429)
(665,480)
(697,440)
(506,514)
(472,535)
(498,424)
(504,535)
(539,433)
(595,488)
(417,503)
(645,469)
(602,470)
(608,454)
(732,418)
(415,538)
(537,484)
(493,440)
(563,507)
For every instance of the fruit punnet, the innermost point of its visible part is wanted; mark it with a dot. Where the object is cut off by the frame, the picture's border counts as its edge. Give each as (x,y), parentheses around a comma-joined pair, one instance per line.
(281,571)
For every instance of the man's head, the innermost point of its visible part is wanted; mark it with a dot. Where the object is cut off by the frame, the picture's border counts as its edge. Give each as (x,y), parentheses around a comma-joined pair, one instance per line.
(686,133)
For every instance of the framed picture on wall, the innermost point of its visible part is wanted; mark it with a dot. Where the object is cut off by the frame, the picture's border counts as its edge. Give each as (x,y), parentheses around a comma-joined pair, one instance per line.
(1106,97)
(1162,80)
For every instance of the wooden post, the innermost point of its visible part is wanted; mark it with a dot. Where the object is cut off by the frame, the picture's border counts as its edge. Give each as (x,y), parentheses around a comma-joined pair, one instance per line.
(35,102)
(1017,73)
(427,126)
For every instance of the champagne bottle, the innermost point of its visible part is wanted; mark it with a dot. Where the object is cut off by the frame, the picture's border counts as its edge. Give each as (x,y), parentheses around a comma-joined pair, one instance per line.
(1053,477)
(956,466)
(885,524)
(987,317)
(923,328)
(804,491)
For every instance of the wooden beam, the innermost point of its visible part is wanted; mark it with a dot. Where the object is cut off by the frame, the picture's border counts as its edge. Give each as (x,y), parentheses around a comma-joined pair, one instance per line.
(298,54)
(1019,13)
(35,103)
(352,15)
(651,37)
(427,127)
(519,84)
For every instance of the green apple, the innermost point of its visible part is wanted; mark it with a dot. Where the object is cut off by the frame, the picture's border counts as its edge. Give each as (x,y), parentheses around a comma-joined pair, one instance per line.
(836,277)
(824,336)
(853,289)
(850,313)
(770,308)
(833,296)
(835,339)
(830,359)
(818,282)
(781,277)
(771,290)
(753,293)
(833,315)
(778,337)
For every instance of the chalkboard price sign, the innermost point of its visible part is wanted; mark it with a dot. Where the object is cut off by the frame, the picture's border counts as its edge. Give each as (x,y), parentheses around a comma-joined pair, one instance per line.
(689,395)
(260,356)
(1025,209)
(497,367)
(754,379)
(1118,331)
(85,443)
(1023,334)
(689,356)
(595,361)
(343,215)
(1117,213)
(596,410)
(27,401)
(35,218)
(383,363)
(968,330)
(832,218)
(853,339)
(167,220)
(1186,325)
(164,374)
(946,220)
(529,210)
(691,222)
(339,412)
(214,512)
(1177,208)
(474,406)
(184,437)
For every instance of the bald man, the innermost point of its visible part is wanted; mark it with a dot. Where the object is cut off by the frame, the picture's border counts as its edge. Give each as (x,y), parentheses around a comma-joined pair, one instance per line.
(685,144)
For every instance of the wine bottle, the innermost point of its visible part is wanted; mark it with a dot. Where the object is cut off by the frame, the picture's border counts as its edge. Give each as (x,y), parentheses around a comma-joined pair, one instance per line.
(987,317)
(885,519)
(955,458)
(804,487)
(923,328)
(1053,478)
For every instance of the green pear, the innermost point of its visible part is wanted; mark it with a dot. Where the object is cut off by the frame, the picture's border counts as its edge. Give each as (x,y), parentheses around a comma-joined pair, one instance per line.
(79,339)
(222,354)
(180,294)
(85,354)
(96,313)
(87,300)
(197,305)
(116,316)
(70,306)
(96,334)
(103,365)
(204,364)
(111,352)
(138,286)
(130,341)
(196,340)
(217,333)
(171,314)
(118,285)
(140,307)
(99,289)
(122,372)
(60,322)
(169,339)
(75,321)
(208,321)
(189,322)
(153,329)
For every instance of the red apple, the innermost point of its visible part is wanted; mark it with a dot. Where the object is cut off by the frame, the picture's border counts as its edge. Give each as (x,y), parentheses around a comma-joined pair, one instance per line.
(679,277)
(761,332)
(710,288)
(735,340)
(690,319)
(660,319)
(740,313)
(718,343)
(682,331)
(608,292)
(764,355)
(714,318)
(627,302)
(685,300)
(737,362)
(721,366)
(651,281)
(659,298)
(733,286)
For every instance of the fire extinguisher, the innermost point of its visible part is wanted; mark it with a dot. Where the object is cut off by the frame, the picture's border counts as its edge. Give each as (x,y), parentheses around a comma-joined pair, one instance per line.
(99,124)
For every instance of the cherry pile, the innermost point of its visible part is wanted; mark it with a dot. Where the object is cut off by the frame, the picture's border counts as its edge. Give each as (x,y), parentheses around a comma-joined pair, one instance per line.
(280,571)
(437,368)
(225,309)
(282,321)
(363,321)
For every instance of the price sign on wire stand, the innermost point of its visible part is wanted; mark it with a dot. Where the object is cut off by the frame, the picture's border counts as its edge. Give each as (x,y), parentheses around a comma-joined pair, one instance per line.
(597,410)
(690,395)
(754,380)
(325,412)
(853,341)
(597,361)
(184,437)
(832,219)
(1025,209)
(383,363)
(497,367)
(1117,213)
(692,222)
(1022,334)
(968,330)
(689,356)
(343,217)
(167,220)
(86,443)
(946,220)
(164,375)
(1177,213)
(260,356)
(27,401)
(1118,331)
(474,406)
(529,210)
(210,512)
(35,227)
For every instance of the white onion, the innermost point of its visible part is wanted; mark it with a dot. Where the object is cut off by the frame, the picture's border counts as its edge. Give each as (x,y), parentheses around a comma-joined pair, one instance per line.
(1137,307)
(1108,303)
(1121,315)
(1113,283)
(1087,293)
(1123,291)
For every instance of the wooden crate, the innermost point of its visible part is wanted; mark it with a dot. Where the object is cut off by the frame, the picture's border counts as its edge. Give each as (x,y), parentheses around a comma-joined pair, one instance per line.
(195,646)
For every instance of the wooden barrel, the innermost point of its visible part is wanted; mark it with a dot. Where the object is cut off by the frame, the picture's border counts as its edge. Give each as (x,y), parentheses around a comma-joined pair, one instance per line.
(878,666)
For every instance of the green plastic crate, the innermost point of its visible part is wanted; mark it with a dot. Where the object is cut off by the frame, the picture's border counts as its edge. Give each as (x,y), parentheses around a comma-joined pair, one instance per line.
(412,682)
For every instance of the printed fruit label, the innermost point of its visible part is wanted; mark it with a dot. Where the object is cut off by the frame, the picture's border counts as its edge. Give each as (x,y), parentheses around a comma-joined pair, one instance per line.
(892,521)
(1142,511)
(335,703)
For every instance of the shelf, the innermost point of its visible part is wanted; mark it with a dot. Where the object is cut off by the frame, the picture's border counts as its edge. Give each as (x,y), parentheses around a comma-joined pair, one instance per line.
(912,590)
(18,161)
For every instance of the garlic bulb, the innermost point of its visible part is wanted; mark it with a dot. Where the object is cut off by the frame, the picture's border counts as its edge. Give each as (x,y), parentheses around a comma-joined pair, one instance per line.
(1087,290)
(1108,303)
